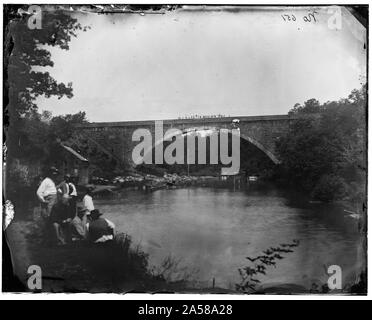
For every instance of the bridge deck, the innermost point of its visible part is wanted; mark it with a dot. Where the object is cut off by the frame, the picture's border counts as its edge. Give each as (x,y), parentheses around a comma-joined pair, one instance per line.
(185,121)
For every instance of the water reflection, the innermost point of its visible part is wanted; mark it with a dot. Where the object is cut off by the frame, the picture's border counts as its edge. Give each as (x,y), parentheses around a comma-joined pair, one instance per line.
(212,230)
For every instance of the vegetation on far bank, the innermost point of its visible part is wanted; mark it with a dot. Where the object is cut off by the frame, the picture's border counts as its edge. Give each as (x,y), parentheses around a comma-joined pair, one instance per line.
(324,152)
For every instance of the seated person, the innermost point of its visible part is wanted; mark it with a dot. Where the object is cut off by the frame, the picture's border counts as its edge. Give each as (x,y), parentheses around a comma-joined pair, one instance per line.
(100,229)
(79,225)
(60,218)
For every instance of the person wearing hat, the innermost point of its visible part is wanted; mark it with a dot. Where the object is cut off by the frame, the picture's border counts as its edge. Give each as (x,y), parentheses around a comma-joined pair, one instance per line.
(79,226)
(47,192)
(100,229)
(68,193)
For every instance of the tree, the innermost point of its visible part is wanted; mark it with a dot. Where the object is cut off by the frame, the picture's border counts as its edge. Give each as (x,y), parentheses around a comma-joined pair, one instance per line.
(310,106)
(305,154)
(26,49)
(61,130)
(324,152)
(62,127)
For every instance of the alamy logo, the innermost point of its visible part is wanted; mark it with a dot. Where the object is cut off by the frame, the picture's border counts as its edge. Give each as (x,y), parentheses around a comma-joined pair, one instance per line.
(174,153)
(335,278)
(34,280)
(34,22)
(335,20)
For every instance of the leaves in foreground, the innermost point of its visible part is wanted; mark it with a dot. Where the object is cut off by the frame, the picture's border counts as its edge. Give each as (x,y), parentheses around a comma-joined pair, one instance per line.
(259,265)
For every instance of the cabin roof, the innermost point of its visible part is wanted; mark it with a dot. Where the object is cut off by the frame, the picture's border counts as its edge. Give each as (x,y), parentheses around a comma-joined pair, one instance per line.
(75,153)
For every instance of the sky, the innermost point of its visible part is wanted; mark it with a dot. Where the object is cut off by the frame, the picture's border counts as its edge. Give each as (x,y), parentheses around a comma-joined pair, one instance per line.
(185,62)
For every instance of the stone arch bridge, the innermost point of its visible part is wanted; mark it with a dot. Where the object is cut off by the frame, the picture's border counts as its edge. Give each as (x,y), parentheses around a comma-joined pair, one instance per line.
(115,138)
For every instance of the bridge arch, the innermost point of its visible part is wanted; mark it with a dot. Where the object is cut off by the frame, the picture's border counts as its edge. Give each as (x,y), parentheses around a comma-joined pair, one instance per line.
(246,137)
(272,157)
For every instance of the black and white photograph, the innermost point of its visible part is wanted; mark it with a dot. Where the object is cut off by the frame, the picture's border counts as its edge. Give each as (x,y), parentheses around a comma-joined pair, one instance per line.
(185,149)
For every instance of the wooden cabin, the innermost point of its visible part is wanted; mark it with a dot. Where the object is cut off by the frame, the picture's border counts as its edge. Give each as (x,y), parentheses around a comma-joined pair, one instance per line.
(76,165)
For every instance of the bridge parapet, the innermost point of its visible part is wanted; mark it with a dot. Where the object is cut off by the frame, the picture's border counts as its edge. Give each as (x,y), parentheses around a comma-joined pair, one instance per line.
(199,121)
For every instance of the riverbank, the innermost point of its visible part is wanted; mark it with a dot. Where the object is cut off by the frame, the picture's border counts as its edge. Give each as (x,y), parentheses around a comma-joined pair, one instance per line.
(149,183)
(116,267)
(104,269)
(82,267)
(215,239)
(152,182)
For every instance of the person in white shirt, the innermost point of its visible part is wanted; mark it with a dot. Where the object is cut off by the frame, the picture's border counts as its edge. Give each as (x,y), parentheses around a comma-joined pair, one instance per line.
(88,201)
(72,188)
(78,226)
(47,192)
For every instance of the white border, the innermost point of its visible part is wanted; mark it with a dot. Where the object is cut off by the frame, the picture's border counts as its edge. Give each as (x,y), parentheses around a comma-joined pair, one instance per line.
(185,297)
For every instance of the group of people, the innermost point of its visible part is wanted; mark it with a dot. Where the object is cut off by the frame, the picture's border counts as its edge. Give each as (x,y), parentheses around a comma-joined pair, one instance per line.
(68,221)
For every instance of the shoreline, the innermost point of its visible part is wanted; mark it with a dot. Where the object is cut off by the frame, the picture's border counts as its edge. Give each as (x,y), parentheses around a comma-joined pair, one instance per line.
(84,268)
(73,269)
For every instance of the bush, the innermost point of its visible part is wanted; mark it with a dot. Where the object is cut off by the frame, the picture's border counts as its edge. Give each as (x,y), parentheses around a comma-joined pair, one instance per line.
(329,187)
(19,190)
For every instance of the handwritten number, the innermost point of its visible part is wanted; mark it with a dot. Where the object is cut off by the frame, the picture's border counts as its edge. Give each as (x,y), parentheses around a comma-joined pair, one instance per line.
(310,16)
(287,17)
(313,15)
(307,18)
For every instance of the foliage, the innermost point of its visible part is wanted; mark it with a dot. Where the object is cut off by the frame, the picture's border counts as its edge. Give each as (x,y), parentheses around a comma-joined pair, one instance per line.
(32,135)
(43,133)
(325,146)
(30,50)
(172,270)
(329,187)
(259,264)
(102,161)
(40,144)
(26,79)
(310,106)
(61,129)
(126,257)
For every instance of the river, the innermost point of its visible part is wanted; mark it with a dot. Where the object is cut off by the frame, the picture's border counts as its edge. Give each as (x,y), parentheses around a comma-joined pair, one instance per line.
(210,231)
